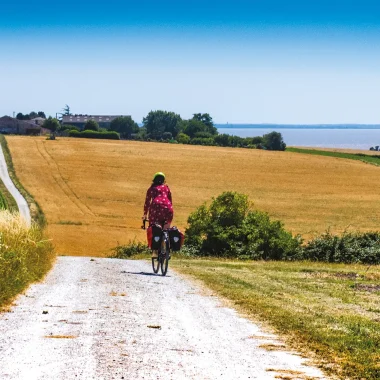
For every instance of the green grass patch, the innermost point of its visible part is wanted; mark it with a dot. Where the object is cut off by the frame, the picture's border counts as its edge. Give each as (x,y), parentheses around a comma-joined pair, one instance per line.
(369,159)
(35,209)
(25,255)
(7,202)
(3,202)
(69,223)
(331,310)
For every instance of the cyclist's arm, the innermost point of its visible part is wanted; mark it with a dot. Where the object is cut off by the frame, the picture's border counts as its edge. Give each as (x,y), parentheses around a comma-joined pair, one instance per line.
(170,195)
(147,201)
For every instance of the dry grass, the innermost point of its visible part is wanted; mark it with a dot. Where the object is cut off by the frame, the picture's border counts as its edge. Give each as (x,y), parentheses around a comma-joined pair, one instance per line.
(99,187)
(25,255)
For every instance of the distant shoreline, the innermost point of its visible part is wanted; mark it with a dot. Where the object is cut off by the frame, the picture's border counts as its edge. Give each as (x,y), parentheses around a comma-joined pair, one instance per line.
(297,126)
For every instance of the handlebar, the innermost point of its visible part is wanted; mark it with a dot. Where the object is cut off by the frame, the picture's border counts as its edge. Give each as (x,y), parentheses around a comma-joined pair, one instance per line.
(144,222)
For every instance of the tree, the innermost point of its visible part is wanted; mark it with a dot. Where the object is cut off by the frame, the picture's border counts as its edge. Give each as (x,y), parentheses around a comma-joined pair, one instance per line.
(91,125)
(50,123)
(206,119)
(159,122)
(31,115)
(273,141)
(66,110)
(124,125)
(193,127)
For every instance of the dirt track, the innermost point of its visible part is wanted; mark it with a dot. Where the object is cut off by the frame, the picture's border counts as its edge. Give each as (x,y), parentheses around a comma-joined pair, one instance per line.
(21,202)
(113,319)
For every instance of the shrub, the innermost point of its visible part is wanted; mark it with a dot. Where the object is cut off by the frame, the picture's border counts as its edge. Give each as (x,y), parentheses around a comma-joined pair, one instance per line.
(222,140)
(167,136)
(182,138)
(25,255)
(68,127)
(230,227)
(91,125)
(202,141)
(203,135)
(95,135)
(129,250)
(273,141)
(353,247)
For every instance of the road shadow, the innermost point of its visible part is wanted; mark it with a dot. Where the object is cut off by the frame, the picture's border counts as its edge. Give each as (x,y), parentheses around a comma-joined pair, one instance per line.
(144,273)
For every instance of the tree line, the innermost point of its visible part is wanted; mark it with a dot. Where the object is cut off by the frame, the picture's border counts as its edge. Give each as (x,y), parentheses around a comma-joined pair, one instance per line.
(165,126)
(30,115)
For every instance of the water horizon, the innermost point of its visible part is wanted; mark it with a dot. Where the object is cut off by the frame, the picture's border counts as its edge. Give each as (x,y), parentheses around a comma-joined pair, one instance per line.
(296,126)
(340,136)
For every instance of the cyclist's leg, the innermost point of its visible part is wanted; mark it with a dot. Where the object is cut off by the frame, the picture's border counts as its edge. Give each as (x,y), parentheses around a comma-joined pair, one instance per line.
(168,218)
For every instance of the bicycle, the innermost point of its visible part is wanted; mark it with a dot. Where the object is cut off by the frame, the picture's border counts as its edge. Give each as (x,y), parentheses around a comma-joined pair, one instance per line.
(163,256)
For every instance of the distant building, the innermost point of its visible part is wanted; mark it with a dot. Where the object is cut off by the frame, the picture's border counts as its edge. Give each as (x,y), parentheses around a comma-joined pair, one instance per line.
(79,121)
(10,125)
(37,120)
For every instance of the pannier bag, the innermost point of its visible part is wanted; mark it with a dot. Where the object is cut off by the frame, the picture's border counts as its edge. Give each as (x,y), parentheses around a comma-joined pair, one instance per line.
(154,236)
(176,238)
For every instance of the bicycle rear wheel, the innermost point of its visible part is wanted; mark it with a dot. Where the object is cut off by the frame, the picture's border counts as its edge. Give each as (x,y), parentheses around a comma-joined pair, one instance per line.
(164,258)
(156,263)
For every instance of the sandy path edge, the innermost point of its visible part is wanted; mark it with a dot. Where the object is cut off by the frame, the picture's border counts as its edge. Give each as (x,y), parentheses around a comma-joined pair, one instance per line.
(20,200)
(113,319)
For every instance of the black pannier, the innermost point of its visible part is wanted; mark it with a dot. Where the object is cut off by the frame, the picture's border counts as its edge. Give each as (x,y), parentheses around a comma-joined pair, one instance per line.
(176,238)
(156,236)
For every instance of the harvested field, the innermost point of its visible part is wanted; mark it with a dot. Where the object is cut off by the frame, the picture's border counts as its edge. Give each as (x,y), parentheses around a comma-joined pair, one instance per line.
(92,191)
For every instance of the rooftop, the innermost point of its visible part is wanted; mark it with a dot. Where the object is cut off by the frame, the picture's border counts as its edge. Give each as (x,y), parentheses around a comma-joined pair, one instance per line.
(84,118)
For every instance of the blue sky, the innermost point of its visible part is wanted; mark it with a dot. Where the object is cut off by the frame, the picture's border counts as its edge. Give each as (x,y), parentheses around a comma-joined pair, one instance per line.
(241,61)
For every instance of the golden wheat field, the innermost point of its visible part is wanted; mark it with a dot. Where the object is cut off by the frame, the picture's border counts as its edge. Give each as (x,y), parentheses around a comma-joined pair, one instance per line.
(92,191)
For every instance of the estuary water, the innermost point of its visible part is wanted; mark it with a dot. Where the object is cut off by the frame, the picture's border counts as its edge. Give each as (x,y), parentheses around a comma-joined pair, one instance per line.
(337,136)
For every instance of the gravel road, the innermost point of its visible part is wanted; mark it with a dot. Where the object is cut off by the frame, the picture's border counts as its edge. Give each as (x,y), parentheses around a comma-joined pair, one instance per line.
(113,319)
(21,202)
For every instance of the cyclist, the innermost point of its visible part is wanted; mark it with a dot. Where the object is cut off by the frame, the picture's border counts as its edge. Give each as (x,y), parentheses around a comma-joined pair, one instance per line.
(158,203)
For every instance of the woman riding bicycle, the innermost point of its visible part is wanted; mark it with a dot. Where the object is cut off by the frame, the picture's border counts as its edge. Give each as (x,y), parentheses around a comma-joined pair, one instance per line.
(158,203)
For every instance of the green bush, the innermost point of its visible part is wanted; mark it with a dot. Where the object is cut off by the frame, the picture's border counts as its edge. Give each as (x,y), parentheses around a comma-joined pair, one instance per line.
(129,250)
(273,141)
(91,125)
(3,202)
(95,135)
(352,247)
(183,138)
(68,127)
(167,136)
(202,141)
(230,227)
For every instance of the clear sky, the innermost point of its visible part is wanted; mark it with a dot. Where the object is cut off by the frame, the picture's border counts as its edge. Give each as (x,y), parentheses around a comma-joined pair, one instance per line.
(257,61)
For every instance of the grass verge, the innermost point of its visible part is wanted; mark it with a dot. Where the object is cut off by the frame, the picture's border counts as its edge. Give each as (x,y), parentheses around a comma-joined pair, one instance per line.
(35,210)
(7,202)
(369,159)
(330,310)
(25,255)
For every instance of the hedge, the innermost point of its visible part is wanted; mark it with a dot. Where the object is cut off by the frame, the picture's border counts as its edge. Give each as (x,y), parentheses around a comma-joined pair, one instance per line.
(95,135)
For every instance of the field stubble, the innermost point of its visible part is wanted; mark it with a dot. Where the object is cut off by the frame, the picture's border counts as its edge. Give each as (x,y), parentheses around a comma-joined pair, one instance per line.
(92,192)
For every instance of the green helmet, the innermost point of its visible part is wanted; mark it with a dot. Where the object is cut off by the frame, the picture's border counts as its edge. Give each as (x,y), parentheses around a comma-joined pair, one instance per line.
(158,174)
